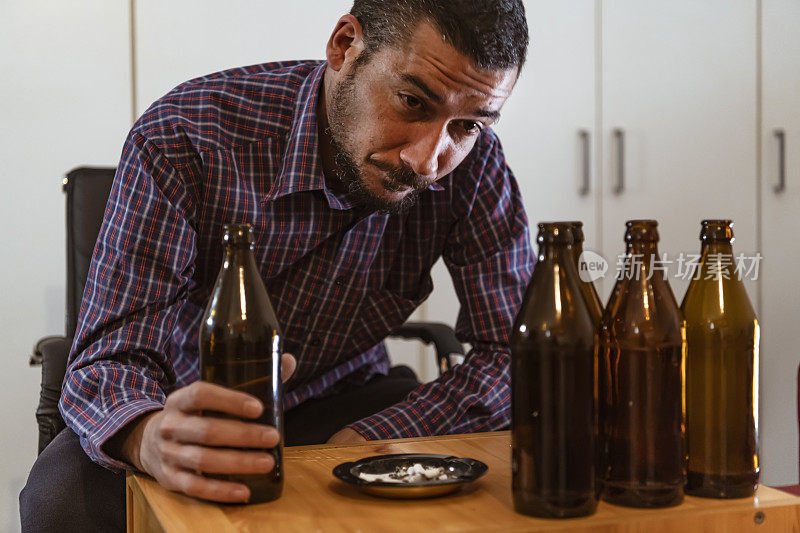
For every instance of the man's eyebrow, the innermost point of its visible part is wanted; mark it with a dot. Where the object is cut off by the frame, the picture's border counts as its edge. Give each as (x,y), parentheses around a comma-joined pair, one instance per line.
(414,80)
(493,115)
(410,78)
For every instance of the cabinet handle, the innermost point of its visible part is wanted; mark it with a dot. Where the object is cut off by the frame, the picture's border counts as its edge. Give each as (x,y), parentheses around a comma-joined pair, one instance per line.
(781,136)
(585,170)
(619,135)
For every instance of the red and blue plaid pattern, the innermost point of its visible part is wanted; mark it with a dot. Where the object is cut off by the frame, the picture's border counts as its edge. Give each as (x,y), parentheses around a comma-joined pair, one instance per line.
(241,146)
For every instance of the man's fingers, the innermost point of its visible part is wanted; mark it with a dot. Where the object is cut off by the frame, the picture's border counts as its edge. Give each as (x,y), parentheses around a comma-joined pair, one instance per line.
(207,489)
(207,396)
(217,460)
(288,366)
(212,431)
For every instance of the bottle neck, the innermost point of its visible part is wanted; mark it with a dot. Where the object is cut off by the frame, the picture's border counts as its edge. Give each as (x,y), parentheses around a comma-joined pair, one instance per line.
(238,253)
(555,253)
(645,248)
(716,247)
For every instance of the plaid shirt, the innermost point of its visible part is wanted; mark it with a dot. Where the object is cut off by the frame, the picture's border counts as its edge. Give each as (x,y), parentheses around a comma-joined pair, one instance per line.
(241,146)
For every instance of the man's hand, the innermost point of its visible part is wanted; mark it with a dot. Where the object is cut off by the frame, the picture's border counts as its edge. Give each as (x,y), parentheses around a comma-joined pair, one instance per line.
(346,436)
(176,445)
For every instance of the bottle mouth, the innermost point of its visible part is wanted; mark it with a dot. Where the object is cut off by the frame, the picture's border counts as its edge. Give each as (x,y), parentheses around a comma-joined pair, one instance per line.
(717,230)
(577,231)
(555,233)
(238,235)
(641,231)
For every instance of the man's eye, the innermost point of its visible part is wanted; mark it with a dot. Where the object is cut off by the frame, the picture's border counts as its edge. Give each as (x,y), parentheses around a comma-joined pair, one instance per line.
(470,126)
(411,101)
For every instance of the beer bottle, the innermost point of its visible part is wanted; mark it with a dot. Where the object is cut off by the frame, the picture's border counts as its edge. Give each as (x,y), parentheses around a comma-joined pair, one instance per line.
(596,311)
(587,286)
(722,336)
(642,353)
(240,348)
(552,387)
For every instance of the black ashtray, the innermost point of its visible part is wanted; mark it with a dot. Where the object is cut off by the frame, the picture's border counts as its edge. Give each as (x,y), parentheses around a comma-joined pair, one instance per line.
(460,471)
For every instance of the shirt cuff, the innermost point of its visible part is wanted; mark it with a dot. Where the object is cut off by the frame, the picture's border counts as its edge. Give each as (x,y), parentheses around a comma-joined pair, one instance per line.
(399,421)
(94,439)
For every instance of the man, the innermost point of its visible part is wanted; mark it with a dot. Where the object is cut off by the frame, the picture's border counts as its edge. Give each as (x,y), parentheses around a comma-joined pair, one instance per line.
(357,174)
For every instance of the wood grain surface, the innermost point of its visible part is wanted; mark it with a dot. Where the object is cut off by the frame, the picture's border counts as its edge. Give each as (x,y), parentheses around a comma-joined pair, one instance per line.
(313,500)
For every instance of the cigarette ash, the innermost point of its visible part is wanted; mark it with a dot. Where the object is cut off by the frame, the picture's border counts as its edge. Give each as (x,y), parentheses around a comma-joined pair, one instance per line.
(415,473)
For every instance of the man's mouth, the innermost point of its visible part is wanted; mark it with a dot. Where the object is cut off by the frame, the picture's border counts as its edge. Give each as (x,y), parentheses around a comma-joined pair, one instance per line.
(394,186)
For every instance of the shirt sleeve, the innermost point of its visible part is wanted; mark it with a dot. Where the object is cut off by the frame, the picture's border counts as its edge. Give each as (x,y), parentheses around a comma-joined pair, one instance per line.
(490,259)
(140,273)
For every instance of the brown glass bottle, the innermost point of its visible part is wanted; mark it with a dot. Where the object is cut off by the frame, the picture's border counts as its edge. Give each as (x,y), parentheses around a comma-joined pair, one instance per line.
(596,311)
(240,348)
(552,387)
(587,287)
(642,355)
(722,335)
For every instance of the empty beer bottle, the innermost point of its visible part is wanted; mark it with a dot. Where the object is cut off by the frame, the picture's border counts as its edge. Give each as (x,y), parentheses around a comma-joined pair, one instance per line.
(240,348)
(722,336)
(552,387)
(587,285)
(642,353)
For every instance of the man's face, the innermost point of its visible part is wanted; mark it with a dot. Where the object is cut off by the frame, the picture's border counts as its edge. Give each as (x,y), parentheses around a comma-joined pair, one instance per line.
(408,116)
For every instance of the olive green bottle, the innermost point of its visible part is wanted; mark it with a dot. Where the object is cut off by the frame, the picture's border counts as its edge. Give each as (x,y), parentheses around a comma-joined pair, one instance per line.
(552,387)
(240,348)
(587,287)
(641,360)
(722,335)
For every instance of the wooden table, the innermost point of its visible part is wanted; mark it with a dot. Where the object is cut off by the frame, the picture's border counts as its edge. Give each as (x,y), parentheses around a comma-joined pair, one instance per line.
(313,500)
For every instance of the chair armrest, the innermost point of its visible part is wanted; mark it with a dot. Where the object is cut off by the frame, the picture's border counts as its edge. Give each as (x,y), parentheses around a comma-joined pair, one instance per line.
(54,352)
(440,335)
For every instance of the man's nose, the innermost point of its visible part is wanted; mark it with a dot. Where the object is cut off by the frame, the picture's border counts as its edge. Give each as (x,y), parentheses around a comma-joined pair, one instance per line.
(422,152)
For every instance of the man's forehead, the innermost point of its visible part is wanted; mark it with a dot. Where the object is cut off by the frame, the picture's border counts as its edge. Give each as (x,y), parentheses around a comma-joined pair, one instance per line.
(428,56)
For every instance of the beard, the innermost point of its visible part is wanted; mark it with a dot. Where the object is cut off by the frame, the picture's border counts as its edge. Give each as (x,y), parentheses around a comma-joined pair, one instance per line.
(351,174)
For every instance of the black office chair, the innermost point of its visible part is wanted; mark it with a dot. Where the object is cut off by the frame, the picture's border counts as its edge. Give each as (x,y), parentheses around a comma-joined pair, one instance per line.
(87,191)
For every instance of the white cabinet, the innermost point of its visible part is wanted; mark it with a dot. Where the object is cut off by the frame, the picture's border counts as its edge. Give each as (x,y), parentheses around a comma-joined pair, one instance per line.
(679,93)
(780,227)
(548,124)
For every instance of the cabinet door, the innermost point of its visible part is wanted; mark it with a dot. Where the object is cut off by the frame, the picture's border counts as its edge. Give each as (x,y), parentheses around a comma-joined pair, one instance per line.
(780,227)
(679,85)
(548,124)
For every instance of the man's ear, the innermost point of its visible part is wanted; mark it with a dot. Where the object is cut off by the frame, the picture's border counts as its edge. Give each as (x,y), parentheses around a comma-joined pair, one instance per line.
(345,44)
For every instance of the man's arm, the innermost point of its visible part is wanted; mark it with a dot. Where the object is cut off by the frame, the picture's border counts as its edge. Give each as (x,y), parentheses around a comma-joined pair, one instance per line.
(490,259)
(117,394)
(138,279)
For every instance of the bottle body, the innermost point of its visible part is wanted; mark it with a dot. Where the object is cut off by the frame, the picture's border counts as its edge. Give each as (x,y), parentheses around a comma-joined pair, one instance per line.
(552,382)
(240,348)
(721,375)
(642,357)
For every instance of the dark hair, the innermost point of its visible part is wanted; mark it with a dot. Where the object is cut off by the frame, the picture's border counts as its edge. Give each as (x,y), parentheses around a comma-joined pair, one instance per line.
(493,33)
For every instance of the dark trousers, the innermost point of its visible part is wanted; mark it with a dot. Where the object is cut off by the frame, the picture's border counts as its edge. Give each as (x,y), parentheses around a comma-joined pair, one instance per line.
(66,491)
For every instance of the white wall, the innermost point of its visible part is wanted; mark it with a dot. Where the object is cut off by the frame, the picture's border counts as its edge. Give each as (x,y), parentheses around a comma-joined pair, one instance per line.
(64,101)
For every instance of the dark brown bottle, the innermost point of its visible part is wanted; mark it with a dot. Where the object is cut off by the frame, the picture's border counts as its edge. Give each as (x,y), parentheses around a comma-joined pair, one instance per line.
(722,335)
(642,353)
(240,348)
(596,311)
(587,286)
(552,387)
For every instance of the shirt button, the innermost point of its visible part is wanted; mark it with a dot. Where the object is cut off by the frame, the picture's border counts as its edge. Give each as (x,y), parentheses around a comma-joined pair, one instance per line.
(316,341)
(339,282)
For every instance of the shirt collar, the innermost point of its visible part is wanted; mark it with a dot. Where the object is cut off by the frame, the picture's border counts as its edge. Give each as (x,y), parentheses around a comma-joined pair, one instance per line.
(301,168)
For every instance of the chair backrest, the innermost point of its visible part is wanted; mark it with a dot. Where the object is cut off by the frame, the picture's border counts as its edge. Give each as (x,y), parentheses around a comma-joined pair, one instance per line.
(87,191)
